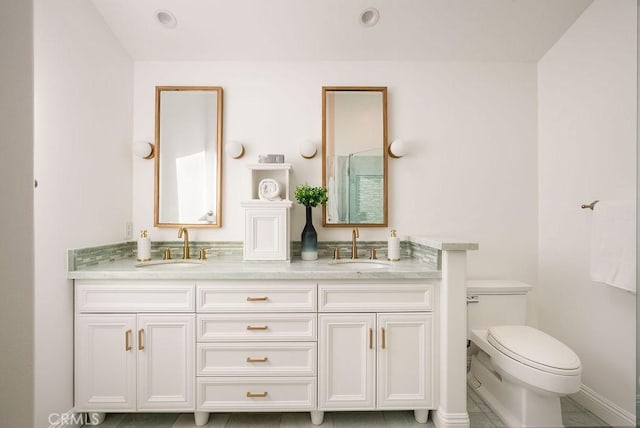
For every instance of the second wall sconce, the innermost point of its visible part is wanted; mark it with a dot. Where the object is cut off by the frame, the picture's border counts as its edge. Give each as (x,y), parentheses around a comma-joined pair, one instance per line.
(144,149)
(307,149)
(234,149)
(398,148)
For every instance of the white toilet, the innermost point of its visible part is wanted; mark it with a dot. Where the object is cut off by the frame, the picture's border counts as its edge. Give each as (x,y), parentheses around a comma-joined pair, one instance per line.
(519,371)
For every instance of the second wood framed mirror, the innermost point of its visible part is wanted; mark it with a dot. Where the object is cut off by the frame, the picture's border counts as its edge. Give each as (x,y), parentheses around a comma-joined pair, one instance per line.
(354,156)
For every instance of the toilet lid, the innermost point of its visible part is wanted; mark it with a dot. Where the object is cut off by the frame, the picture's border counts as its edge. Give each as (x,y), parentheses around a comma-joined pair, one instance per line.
(534,348)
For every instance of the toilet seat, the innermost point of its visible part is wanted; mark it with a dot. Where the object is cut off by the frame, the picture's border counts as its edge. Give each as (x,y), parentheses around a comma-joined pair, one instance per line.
(527,370)
(534,348)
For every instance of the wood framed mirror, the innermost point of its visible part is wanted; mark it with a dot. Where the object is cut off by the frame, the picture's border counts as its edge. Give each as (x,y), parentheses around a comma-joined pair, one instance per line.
(188,161)
(354,156)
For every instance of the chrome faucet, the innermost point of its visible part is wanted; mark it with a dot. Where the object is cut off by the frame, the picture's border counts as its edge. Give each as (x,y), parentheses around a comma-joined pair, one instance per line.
(355,233)
(185,251)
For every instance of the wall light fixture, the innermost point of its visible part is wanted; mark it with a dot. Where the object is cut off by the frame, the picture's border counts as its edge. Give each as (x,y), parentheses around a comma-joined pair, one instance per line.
(144,149)
(308,149)
(234,149)
(398,149)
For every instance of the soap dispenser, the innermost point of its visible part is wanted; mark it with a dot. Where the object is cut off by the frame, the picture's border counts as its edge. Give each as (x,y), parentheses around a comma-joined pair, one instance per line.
(144,247)
(393,248)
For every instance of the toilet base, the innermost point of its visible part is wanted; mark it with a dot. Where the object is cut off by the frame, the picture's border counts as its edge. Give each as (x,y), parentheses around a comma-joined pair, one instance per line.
(512,402)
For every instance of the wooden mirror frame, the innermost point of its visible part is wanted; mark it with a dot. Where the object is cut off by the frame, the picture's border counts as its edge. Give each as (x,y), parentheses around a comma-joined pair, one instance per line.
(156,209)
(383,91)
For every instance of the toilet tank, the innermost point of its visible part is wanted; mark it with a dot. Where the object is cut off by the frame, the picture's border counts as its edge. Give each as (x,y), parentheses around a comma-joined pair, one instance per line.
(496,302)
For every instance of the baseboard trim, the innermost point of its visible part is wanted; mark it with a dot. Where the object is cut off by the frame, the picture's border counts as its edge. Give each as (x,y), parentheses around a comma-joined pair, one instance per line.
(450,420)
(606,410)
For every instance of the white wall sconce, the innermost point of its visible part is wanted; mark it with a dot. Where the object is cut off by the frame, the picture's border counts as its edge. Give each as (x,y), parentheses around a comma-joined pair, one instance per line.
(398,149)
(144,149)
(308,149)
(234,149)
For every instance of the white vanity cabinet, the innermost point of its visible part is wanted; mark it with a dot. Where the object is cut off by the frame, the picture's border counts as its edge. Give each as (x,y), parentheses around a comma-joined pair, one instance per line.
(256,346)
(376,347)
(134,346)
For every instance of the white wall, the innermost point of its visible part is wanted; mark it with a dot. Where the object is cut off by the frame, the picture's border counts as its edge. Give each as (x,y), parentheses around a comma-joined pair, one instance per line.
(587,151)
(16,214)
(83,128)
(472,172)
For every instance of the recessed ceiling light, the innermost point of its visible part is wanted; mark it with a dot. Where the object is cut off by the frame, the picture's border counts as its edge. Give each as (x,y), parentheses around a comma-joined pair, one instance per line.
(369,17)
(166,18)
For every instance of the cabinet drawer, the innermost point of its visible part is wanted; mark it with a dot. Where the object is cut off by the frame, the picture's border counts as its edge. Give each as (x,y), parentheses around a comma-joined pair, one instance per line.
(359,297)
(257,359)
(258,327)
(137,296)
(238,393)
(256,297)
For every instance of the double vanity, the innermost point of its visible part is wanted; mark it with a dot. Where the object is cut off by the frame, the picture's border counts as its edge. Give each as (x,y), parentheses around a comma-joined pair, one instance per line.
(251,327)
(223,335)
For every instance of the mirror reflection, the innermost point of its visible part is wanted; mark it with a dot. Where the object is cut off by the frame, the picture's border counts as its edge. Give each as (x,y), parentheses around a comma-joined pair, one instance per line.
(189,156)
(354,138)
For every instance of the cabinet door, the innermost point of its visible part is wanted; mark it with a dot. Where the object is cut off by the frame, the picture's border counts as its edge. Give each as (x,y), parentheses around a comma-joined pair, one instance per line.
(105,363)
(346,361)
(405,361)
(166,362)
(266,234)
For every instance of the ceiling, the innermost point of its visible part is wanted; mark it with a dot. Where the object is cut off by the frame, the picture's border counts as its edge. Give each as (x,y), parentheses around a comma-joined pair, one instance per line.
(451,30)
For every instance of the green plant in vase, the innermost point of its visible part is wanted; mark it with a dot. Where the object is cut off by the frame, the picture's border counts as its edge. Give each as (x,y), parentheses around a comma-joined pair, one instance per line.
(310,197)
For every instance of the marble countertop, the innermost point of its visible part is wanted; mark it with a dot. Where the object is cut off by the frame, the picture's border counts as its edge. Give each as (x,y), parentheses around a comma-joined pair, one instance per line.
(236,268)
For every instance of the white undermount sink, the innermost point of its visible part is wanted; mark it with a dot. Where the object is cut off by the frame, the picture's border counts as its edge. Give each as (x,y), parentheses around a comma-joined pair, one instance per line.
(351,264)
(170,264)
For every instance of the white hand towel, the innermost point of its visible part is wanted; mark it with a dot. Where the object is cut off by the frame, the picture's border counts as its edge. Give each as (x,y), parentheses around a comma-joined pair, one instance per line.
(613,244)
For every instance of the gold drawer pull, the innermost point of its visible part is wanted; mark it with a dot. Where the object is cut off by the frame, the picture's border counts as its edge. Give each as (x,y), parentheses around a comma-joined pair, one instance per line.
(257,360)
(370,338)
(141,339)
(257,299)
(127,340)
(257,327)
(384,339)
(256,394)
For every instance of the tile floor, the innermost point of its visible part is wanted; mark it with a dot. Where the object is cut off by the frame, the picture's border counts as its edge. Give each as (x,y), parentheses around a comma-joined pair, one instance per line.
(573,415)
